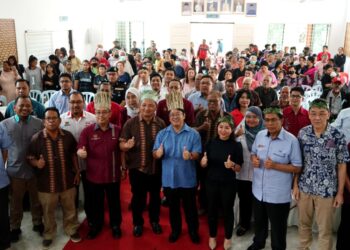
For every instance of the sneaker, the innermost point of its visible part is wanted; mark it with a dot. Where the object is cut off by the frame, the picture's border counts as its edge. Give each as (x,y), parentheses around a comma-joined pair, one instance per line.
(14,235)
(75,237)
(156,228)
(47,244)
(39,228)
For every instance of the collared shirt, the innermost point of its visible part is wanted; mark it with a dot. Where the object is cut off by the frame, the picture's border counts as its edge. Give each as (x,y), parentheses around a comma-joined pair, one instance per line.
(176,172)
(59,171)
(246,173)
(267,96)
(20,133)
(230,103)
(163,112)
(343,123)
(270,185)
(133,155)
(103,156)
(198,100)
(335,102)
(5,143)
(116,112)
(38,109)
(60,100)
(294,122)
(321,158)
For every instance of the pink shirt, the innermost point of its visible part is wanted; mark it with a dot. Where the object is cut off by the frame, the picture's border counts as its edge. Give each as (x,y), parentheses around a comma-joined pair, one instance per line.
(259,76)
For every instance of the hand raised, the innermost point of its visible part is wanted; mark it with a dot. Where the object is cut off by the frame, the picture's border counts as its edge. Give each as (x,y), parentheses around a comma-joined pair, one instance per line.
(228,163)
(204,161)
(130,143)
(41,162)
(256,161)
(269,163)
(82,152)
(186,155)
(160,151)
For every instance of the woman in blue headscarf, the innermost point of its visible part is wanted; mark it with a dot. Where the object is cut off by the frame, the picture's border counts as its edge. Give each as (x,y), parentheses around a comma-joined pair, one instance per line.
(252,124)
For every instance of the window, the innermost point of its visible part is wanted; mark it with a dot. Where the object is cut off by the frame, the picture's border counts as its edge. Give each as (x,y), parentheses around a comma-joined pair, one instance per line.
(318,35)
(276,34)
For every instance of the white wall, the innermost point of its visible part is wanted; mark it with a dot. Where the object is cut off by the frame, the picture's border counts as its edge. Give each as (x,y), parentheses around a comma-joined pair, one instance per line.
(94,22)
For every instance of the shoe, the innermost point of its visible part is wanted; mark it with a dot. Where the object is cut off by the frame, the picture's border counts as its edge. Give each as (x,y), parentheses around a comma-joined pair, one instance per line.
(39,228)
(194,237)
(212,243)
(75,237)
(156,228)
(173,237)
(201,211)
(116,232)
(228,244)
(164,202)
(47,244)
(14,235)
(254,247)
(137,232)
(241,231)
(92,234)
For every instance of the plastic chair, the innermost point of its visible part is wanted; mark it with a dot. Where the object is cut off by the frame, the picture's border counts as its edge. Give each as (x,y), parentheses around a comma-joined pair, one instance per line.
(45,95)
(88,96)
(3,100)
(35,94)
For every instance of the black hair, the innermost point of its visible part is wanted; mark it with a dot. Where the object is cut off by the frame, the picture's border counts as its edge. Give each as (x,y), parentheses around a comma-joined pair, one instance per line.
(42,61)
(155,75)
(326,67)
(22,80)
(63,51)
(52,109)
(23,97)
(239,95)
(169,69)
(66,75)
(207,77)
(298,89)
(77,93)
(264,63)
(14,59)
(54,58)
(311,59)
(176,80)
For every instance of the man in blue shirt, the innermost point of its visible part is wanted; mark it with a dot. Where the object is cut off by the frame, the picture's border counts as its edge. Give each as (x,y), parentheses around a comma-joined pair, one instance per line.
(5,143)
(275,157)
(23,89)
(179,147)
(320,187)
(60,99)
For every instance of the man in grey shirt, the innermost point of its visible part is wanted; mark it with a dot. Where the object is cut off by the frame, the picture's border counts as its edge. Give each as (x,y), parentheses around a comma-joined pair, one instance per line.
(20,129)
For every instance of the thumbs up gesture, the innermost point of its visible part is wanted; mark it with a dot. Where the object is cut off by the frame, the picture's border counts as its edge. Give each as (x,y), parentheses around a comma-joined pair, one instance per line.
(204,161)
(239,132)
(228,163)
(160,151)
(41,162)
(255,161)
(269,164)
(82,152)
(130,143)
(186,155)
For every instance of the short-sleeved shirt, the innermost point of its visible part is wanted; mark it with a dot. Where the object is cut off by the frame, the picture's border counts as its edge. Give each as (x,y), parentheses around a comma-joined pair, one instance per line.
(133,155)
(103,155)
(118,91)
(321,158)
(270,185)
(267,96)
(294,122)
(60,100)
(5,143)
(21,133)
(76,126)
(38,109)
(86,81)
(176,172)
(59,171)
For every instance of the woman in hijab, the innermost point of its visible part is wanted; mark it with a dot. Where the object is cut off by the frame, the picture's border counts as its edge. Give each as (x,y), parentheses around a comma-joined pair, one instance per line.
(252,124)
(132,100)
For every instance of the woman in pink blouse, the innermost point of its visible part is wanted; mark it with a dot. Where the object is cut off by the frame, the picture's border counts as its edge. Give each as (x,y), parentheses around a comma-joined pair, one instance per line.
(263,72)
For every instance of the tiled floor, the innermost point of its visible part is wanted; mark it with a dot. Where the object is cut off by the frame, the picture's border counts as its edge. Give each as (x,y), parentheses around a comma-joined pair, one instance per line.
(32,241)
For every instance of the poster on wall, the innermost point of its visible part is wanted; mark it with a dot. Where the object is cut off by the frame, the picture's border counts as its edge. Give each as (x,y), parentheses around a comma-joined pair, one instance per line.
(226,6)
(198,6)
(251,9)
(186,8)
(212,5)
(238,6)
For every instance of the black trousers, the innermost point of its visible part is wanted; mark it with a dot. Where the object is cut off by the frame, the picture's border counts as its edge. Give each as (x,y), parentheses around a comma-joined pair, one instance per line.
(188,198)
(141,184)
(245,195)
(87,196)
(202,181)
(224,193)
(343,240)
(97,195)
(4,218)
(277,214)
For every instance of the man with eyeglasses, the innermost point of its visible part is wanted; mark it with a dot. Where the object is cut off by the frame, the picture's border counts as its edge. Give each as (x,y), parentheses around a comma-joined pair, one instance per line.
(275,157)
(319,187)
(295,117)
(52,153)
(99,145)
(74,121)
(60,99)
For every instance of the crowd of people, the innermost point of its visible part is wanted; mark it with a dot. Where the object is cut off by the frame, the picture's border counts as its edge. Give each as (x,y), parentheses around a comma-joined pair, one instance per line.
(185,129)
